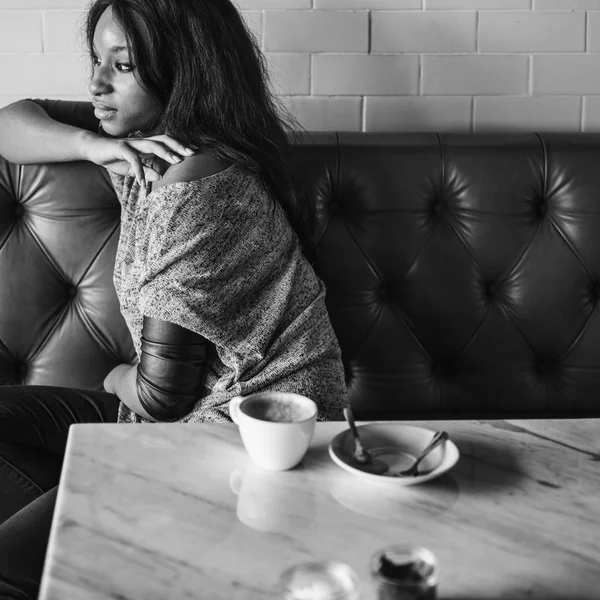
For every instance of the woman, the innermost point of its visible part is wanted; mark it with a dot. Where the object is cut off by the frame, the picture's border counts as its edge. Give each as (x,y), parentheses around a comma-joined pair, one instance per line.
(211,269)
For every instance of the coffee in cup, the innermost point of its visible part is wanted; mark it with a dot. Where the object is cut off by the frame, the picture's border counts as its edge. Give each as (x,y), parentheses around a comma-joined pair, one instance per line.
(276,427)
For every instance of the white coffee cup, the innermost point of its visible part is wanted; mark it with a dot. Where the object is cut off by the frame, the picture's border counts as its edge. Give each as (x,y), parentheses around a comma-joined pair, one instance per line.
(276,427)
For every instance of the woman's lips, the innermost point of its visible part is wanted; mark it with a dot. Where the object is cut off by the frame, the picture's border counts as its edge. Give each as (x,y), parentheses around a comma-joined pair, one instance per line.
(104,113)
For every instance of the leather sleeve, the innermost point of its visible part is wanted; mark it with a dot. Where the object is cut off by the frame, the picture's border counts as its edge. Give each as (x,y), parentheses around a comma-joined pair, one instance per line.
(172,369)
(76,114)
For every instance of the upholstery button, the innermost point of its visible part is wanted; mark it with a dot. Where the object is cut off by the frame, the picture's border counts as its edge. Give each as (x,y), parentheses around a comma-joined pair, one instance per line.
(492,289)
(18,210)
(442,370)
(72,291)
(436,207)
(542,208)
(385,291)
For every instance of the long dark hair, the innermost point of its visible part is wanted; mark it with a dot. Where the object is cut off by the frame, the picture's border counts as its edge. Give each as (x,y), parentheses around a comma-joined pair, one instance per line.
(200,61)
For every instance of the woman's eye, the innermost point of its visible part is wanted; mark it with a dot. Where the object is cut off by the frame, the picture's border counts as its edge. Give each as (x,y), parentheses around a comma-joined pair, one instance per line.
(122,67)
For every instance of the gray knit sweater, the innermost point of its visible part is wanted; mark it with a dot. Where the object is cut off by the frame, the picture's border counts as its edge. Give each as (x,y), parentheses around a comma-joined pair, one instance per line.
(218,257)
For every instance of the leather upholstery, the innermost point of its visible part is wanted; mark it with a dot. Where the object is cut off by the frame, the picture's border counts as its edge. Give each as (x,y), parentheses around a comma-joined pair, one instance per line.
(462,271)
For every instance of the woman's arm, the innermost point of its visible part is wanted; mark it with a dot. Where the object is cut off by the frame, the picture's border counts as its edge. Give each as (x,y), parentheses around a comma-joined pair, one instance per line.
(29,135)
(168,380)
(46,131)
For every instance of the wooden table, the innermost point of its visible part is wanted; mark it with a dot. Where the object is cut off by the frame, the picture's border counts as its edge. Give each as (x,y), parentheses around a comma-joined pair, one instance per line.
(171,511)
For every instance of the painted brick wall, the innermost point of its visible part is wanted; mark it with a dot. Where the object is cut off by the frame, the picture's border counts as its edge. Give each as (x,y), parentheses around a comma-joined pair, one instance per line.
(370,65)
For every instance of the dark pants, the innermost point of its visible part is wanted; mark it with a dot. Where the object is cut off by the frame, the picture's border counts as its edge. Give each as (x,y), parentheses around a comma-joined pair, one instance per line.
(34,423)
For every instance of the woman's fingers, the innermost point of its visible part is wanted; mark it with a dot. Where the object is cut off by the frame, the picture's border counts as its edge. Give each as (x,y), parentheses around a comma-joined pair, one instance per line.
(161,146)
(150,170)
(174,145)
(152,174)
(134,159)
(162,150)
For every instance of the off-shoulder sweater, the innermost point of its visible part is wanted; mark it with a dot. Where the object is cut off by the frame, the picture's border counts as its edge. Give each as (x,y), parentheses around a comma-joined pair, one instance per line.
(219,257)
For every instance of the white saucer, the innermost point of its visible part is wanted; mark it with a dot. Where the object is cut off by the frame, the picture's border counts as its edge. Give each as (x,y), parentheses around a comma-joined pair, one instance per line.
(398,446)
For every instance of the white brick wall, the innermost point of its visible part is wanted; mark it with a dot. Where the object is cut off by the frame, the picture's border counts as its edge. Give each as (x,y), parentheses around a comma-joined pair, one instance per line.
(370,65)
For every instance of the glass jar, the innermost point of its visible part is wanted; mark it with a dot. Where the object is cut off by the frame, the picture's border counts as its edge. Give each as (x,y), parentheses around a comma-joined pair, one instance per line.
(403,573)
(322,580)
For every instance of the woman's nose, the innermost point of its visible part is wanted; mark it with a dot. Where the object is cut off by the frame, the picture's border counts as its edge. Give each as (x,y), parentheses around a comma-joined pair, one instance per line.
(99,83)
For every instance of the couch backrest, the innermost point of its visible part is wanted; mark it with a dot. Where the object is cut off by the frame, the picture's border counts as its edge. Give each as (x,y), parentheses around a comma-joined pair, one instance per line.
(462,271)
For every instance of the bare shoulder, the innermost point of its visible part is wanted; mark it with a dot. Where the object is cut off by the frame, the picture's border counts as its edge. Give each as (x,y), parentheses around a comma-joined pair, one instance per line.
(191,168)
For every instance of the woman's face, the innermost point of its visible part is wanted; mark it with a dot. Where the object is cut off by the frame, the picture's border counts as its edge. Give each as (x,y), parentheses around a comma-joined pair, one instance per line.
(120,102)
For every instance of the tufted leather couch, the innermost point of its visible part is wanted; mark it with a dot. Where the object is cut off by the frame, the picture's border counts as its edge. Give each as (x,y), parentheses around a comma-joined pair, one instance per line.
(462,271)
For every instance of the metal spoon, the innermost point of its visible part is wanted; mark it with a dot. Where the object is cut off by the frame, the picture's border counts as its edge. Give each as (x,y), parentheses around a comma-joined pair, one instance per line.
(360,455)
(439,438)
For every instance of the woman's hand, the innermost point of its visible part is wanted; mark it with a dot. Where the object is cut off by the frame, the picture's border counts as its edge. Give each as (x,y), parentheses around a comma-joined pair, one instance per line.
(112,380)
(121,381)
(146,159)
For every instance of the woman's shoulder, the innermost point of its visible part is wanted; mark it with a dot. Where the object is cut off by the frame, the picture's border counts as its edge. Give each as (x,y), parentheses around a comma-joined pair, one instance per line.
(191,169)
(208,188)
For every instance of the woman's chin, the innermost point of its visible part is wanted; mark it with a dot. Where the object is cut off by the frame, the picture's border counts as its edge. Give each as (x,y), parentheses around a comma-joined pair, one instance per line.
(113,129)
(118,129)
(123,130)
